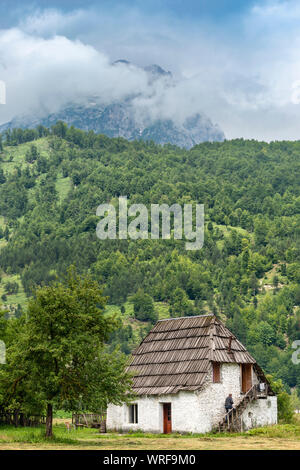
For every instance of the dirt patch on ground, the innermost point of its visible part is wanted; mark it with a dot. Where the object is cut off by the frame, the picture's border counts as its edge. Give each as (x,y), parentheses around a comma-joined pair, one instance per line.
(128,443)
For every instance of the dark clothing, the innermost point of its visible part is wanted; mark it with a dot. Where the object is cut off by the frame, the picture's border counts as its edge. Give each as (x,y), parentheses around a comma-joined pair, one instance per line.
(228,403)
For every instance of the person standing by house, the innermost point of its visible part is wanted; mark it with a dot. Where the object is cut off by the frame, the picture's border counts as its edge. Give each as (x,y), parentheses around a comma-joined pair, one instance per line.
(228,403)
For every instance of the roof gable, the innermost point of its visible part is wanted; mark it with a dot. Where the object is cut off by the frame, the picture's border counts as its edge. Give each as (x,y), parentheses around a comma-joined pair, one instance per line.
(176,354)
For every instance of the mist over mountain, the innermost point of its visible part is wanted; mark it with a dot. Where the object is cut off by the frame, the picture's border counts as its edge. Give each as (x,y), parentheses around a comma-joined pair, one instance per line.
(134,117)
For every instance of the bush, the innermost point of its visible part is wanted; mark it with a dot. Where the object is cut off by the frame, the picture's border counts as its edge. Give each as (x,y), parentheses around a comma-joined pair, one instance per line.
(11,288)
(284,401)
(143,307)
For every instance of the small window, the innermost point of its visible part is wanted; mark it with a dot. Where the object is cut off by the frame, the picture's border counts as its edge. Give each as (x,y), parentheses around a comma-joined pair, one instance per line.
(133,413)
(216,372)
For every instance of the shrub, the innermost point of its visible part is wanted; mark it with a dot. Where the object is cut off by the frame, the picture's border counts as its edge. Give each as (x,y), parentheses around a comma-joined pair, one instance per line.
(284,401)
(143,307)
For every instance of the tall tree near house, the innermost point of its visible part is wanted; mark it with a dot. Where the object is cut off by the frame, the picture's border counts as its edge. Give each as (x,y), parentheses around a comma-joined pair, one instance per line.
(59,358)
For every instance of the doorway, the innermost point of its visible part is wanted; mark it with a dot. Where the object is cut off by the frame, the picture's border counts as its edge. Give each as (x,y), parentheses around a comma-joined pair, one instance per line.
(246,377)
(167,416)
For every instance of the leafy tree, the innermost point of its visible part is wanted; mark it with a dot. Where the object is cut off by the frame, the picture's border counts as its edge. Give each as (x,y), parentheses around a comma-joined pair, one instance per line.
(295,399)
(59,129)
(58,357)
(143,307)
(238,326)
(180,305)
(253,285)
(262,333)
(260,231)
(11,287)
(32,154)
(284,401)
(2,176)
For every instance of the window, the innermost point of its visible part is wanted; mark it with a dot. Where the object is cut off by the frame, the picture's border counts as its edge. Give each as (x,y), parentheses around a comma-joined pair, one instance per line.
(216,372)
(133,413)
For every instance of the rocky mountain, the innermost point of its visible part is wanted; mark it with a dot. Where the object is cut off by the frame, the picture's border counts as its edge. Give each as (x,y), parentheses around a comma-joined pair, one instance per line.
(121,119)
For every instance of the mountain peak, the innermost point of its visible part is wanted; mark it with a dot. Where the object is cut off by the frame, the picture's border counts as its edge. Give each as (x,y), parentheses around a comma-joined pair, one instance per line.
(155,69)
(123,118)
(121,61)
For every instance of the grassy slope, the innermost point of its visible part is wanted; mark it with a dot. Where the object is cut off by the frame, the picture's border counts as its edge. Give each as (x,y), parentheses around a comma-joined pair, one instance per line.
(13,299)
(17,157)
(62,186)
(12,157)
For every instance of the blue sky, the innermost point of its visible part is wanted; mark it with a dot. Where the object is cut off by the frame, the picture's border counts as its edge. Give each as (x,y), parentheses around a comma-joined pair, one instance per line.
(218,13)
(236,61)
(214,9)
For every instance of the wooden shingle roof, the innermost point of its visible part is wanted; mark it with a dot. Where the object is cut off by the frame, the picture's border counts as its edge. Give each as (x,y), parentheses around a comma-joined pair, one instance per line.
(177,352)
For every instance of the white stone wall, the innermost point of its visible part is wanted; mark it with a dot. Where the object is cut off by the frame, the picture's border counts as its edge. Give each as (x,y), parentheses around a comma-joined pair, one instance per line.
(196,412)
(186,414)
(214,395)
(261,412)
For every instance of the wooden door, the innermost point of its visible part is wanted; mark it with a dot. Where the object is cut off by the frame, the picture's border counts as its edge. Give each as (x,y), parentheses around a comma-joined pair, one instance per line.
(167,418)
(246,377)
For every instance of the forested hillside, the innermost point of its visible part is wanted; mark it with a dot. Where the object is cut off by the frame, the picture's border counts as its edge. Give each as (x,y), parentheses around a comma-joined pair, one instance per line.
(247,273)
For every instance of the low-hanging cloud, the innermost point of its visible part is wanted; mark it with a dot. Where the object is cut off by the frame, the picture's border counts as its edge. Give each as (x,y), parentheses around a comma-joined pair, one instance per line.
(43,74)
(246,81)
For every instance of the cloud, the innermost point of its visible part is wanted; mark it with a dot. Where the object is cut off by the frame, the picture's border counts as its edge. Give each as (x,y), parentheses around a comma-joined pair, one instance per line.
(243,73)
(50,22)
(278,10)
(43,74)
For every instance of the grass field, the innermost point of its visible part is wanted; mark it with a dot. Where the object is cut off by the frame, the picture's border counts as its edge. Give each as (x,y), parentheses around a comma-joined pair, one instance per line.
(63,186)
(268,438)
(12,156)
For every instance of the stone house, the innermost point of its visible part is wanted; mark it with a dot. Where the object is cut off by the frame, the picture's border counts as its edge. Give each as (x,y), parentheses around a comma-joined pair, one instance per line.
(184,370)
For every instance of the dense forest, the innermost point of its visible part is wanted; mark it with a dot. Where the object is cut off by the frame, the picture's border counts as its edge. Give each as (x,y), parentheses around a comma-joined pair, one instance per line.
(247,273)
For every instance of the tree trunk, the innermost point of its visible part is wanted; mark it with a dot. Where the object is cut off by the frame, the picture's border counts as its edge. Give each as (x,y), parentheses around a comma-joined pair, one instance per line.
(16,418)
(49,420)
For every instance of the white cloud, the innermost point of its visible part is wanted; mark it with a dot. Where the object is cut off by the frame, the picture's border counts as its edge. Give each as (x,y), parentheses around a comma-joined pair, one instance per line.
(46,73)
(50,21)
(245,80)
(278,10)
